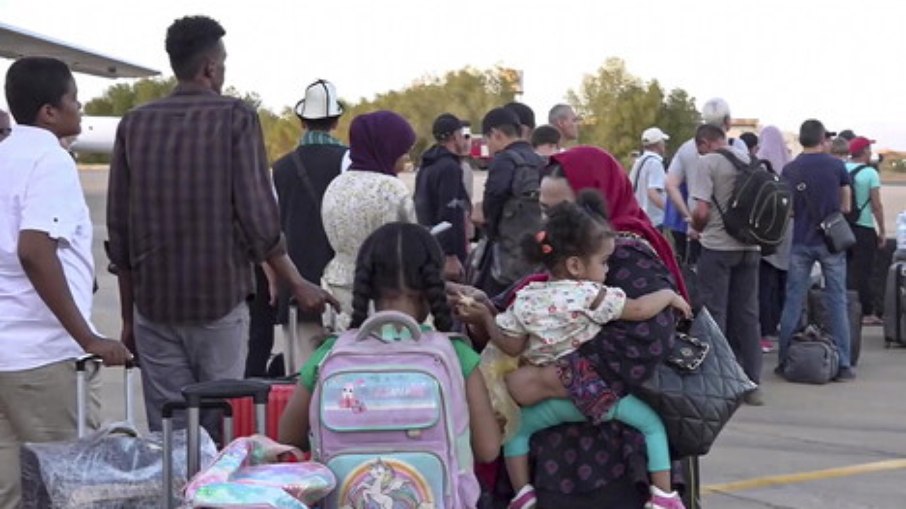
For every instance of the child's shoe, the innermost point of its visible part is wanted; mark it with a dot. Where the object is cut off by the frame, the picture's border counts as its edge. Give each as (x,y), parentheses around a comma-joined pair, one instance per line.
(525,499)
(661,500)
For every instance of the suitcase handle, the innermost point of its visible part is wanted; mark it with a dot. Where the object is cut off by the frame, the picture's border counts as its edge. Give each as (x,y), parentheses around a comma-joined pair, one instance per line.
(220,390)
(226,389)
(372,326)
(82,364)
(167,412)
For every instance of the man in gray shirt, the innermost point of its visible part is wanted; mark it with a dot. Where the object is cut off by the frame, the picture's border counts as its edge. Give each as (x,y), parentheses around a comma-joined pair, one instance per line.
(684,165)
(730,292)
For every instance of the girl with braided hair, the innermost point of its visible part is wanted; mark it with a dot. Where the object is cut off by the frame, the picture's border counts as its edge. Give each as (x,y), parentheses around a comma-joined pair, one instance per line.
(399,268)
(551,319)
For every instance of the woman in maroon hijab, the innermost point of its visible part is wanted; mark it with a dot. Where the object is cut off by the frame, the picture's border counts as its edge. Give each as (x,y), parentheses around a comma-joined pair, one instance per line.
(601,464)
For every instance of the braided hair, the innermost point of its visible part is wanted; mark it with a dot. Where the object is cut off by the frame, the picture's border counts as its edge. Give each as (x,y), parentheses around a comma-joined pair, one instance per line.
(397,257)
(571,229)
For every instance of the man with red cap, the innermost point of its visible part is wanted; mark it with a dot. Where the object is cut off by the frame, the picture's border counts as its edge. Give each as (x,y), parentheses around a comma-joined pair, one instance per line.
(867,214)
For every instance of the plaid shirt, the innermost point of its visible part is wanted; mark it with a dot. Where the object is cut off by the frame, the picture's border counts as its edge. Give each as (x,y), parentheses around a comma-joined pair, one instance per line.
(190,205)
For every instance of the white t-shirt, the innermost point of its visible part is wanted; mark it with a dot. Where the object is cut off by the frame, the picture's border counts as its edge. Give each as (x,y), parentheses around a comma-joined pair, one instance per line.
(40,190)
(648,173)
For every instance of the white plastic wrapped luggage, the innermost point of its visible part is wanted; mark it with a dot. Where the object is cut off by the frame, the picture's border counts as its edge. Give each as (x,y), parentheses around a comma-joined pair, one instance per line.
(112,468)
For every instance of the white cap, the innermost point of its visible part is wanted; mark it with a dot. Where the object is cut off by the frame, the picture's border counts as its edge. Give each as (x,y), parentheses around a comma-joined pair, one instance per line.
(320,102)
(653,135)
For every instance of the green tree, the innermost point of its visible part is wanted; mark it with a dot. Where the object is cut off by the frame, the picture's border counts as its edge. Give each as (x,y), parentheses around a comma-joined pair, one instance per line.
(281,132)
(120,98)
(618,106)
(467,93)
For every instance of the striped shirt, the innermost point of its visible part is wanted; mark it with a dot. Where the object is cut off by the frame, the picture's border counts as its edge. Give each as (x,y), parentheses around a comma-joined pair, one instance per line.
(190,205)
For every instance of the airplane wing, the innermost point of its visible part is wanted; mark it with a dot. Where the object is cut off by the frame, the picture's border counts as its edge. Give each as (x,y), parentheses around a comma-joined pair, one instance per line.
(15,43)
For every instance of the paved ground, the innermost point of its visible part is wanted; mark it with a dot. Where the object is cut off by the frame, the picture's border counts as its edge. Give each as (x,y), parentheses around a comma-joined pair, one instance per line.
(802,429)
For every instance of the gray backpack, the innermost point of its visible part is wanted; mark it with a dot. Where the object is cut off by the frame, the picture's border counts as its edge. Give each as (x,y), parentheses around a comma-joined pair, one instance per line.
(521,217)
(812,357)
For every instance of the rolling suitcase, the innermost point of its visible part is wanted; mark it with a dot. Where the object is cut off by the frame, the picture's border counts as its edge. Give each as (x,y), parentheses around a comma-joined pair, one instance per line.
(818,316)
(883,259)
(206,395)
(894,300)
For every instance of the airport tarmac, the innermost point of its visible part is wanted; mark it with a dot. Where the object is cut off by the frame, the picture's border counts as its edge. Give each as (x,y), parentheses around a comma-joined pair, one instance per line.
(837,446)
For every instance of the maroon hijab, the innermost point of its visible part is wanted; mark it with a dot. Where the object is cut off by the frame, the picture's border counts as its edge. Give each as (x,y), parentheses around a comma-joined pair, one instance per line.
(592,168)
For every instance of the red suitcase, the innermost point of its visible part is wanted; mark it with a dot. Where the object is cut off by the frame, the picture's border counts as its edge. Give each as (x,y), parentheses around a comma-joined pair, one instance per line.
(244,410)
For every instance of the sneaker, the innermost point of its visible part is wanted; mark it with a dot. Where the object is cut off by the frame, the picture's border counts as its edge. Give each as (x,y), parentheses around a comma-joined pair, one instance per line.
(661,500)
(525,499)
(754,398)
(767,346)
(871,320)
(845,375)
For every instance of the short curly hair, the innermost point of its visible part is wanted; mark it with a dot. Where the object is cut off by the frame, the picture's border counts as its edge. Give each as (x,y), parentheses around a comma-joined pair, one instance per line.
(189,39)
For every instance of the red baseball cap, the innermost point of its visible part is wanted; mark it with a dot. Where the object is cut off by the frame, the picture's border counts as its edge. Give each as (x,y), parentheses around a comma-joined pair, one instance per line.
(858,144)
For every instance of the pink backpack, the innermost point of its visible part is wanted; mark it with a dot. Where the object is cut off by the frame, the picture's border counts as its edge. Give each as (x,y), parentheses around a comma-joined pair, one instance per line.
(390,419)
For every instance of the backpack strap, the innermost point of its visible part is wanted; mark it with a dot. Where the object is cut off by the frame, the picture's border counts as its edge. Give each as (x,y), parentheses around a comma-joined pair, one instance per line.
(738,164)
(306,180)
(852,176)
(730,156)
(638,173)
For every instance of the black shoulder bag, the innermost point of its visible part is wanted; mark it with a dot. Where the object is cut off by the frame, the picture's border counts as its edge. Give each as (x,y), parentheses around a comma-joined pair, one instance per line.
(838,236)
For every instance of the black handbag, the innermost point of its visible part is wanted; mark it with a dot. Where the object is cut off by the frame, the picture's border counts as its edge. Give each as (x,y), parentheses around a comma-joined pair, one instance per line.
(697,388)
(838,236)
(834,228)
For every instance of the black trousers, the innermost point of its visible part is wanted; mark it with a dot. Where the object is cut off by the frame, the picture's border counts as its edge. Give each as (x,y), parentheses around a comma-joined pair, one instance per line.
(262,319)
(859,264)
(771,295)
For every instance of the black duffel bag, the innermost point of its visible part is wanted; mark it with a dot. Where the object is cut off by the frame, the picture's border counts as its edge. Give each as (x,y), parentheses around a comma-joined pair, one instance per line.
(697,388)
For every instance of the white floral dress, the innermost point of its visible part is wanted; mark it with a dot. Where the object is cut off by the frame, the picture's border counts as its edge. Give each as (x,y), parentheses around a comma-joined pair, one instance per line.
(356,204)
(558,316)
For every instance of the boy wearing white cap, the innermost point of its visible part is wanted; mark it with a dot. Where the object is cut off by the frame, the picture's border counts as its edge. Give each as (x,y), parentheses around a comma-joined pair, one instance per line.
(647,175)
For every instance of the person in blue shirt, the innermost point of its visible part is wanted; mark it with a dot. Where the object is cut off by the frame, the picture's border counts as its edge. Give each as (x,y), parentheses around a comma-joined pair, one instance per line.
(820,185)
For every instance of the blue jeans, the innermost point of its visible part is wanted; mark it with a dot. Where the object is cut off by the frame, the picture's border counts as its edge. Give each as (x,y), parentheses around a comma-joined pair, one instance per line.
(798,280)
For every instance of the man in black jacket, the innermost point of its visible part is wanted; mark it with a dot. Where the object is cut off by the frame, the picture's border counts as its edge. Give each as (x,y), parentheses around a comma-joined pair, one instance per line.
(300,178)
(440,195)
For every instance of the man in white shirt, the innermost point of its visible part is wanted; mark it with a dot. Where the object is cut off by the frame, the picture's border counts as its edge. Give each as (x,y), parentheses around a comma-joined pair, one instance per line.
(46,268)
(647,175)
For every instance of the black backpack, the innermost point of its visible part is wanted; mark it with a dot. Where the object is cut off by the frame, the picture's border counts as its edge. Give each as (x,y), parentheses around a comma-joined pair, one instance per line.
(758,211)
(855,210)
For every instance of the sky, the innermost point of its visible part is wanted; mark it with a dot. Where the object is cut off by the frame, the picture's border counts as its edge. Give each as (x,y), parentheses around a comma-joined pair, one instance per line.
(778,61)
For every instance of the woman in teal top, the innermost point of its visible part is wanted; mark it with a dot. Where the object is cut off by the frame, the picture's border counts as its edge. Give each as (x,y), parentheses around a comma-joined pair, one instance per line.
(399,268)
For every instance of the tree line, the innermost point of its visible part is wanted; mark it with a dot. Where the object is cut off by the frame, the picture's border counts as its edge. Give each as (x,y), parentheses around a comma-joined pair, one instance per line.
(616,106)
